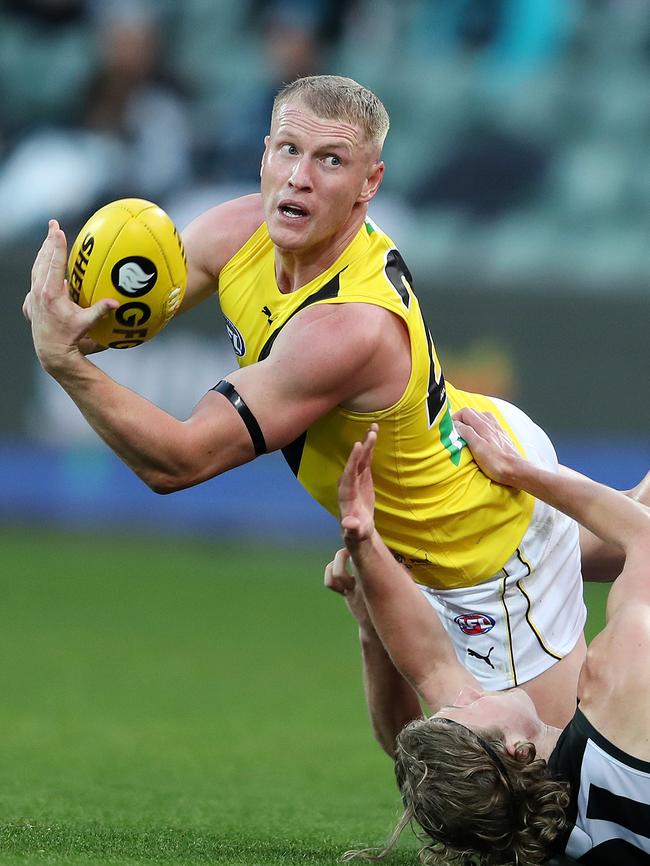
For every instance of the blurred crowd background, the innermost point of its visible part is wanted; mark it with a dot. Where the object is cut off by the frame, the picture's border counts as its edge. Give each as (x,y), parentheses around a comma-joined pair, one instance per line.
(519,139)
(517,182)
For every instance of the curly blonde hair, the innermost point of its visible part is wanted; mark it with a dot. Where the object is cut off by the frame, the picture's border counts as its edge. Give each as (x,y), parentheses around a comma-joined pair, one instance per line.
(334,97)
(475,802)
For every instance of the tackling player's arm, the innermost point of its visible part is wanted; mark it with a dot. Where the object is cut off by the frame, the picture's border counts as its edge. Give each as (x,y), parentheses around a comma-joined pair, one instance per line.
(603,562)
(302,379)
(391,700)
(614,685)
(407,625)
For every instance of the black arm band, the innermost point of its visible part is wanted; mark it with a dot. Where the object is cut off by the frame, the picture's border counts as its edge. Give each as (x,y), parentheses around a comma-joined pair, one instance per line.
(257,437)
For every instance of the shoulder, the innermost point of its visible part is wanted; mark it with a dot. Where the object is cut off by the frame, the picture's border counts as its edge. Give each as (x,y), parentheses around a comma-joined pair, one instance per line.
(214,237)
(614,686)
(360,324)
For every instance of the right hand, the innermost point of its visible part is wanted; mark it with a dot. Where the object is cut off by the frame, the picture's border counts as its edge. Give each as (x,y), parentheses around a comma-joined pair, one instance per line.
(357,492)
(86,345)
(58,324)
(490,445)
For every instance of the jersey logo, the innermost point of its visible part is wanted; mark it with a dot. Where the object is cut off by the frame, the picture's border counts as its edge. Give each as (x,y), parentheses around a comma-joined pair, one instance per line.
(134,276)
(235,338)
(486,659)
(475,623)
(269,315)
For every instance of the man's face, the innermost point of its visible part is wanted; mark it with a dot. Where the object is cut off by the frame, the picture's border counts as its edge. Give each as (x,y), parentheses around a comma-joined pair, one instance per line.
(316,174)
(481,711)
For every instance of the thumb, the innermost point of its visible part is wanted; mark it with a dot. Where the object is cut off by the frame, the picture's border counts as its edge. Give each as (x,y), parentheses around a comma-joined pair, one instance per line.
(100,310)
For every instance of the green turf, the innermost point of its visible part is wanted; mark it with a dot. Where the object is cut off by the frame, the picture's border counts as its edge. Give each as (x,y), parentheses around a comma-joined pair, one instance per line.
(176,703)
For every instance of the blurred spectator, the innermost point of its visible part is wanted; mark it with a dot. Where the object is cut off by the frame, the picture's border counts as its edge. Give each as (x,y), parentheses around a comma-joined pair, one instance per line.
(292,39)
(121,130)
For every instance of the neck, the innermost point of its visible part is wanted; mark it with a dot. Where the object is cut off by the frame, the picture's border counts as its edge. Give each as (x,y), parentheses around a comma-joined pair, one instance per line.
(546,741)
(294,269)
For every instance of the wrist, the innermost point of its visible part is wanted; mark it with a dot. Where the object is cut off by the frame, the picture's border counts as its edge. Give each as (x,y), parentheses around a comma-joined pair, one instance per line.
(60,364)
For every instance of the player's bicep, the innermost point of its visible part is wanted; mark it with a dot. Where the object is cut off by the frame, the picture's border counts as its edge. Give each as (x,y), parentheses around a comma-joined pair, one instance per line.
(304,377)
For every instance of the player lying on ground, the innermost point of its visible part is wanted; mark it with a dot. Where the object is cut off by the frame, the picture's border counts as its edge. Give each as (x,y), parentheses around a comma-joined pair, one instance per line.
(484,776)
(330,337)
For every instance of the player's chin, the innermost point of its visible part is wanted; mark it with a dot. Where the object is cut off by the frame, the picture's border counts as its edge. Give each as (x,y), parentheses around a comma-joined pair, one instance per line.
(288,235)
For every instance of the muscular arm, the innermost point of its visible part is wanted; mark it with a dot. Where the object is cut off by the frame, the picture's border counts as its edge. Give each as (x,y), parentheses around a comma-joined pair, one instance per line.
(212,239)
(601,561)
(300,380)
(406,624)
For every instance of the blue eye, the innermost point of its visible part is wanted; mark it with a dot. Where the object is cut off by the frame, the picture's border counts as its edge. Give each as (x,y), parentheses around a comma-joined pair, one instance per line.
(333,160)
(291,149)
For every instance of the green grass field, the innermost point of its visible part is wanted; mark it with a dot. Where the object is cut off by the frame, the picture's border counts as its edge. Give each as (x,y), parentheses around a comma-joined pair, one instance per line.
(181,703)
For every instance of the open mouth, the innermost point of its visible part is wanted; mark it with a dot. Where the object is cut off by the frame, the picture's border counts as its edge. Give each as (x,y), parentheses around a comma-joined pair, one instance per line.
(292,211)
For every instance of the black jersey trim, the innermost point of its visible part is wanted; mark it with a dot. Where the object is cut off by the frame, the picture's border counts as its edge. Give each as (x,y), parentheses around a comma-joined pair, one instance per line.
(508,626)
(230,393)
(325,293)
(529,608)
(292,452)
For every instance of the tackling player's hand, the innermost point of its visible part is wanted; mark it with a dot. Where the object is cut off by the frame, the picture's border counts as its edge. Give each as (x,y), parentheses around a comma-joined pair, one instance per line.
(59,326)
(489,443)
(357,492)
(339,579)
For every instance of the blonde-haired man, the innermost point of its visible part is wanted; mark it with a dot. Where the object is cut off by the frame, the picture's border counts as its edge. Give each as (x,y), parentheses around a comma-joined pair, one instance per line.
(330,337)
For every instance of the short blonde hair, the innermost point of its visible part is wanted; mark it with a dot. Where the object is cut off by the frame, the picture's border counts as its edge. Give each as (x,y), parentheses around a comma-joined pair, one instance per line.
(334,97)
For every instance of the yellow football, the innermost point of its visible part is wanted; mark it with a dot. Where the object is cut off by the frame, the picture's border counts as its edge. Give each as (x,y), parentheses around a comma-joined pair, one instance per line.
(129,250)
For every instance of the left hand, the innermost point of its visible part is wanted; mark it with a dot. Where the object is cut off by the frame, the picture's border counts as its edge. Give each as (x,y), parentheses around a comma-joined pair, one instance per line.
(59,326)
(357,492)
(340,580)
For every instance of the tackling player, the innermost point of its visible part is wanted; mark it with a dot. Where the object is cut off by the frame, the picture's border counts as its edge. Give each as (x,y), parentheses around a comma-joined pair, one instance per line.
(486,778)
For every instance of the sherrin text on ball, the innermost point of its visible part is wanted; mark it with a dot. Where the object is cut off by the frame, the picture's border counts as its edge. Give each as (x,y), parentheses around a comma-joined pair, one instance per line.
(129,250)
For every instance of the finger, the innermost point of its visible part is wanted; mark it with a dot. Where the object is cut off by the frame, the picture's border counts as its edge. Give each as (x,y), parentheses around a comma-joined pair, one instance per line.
(347,481)
(41,264)
(367,449)
(340,584)
(100,310)
(27,307)
(55,277)
(339,564)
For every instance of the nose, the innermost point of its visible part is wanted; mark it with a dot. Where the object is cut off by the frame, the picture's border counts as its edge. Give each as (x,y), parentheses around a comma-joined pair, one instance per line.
(301,175)
(467,695)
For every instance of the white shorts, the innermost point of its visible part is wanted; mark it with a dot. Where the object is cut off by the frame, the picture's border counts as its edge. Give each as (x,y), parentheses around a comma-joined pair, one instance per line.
(515,625)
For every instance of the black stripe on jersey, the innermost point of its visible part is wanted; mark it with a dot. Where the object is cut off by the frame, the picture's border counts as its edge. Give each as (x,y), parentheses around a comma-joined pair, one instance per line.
(436,389)
(604,805)
(395,269)
(292,453)
(613,851)
(325,293)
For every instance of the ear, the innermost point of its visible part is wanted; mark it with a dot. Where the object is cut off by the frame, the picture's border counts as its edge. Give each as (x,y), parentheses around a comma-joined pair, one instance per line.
(267,139)
(372,182)
(522,751)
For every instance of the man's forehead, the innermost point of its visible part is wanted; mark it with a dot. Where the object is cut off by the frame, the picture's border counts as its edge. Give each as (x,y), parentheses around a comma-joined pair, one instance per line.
(295,116)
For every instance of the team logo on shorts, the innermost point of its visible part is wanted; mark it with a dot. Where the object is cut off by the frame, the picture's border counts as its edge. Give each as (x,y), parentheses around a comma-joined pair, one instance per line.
(475,623)
(236,338)
(134,276)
